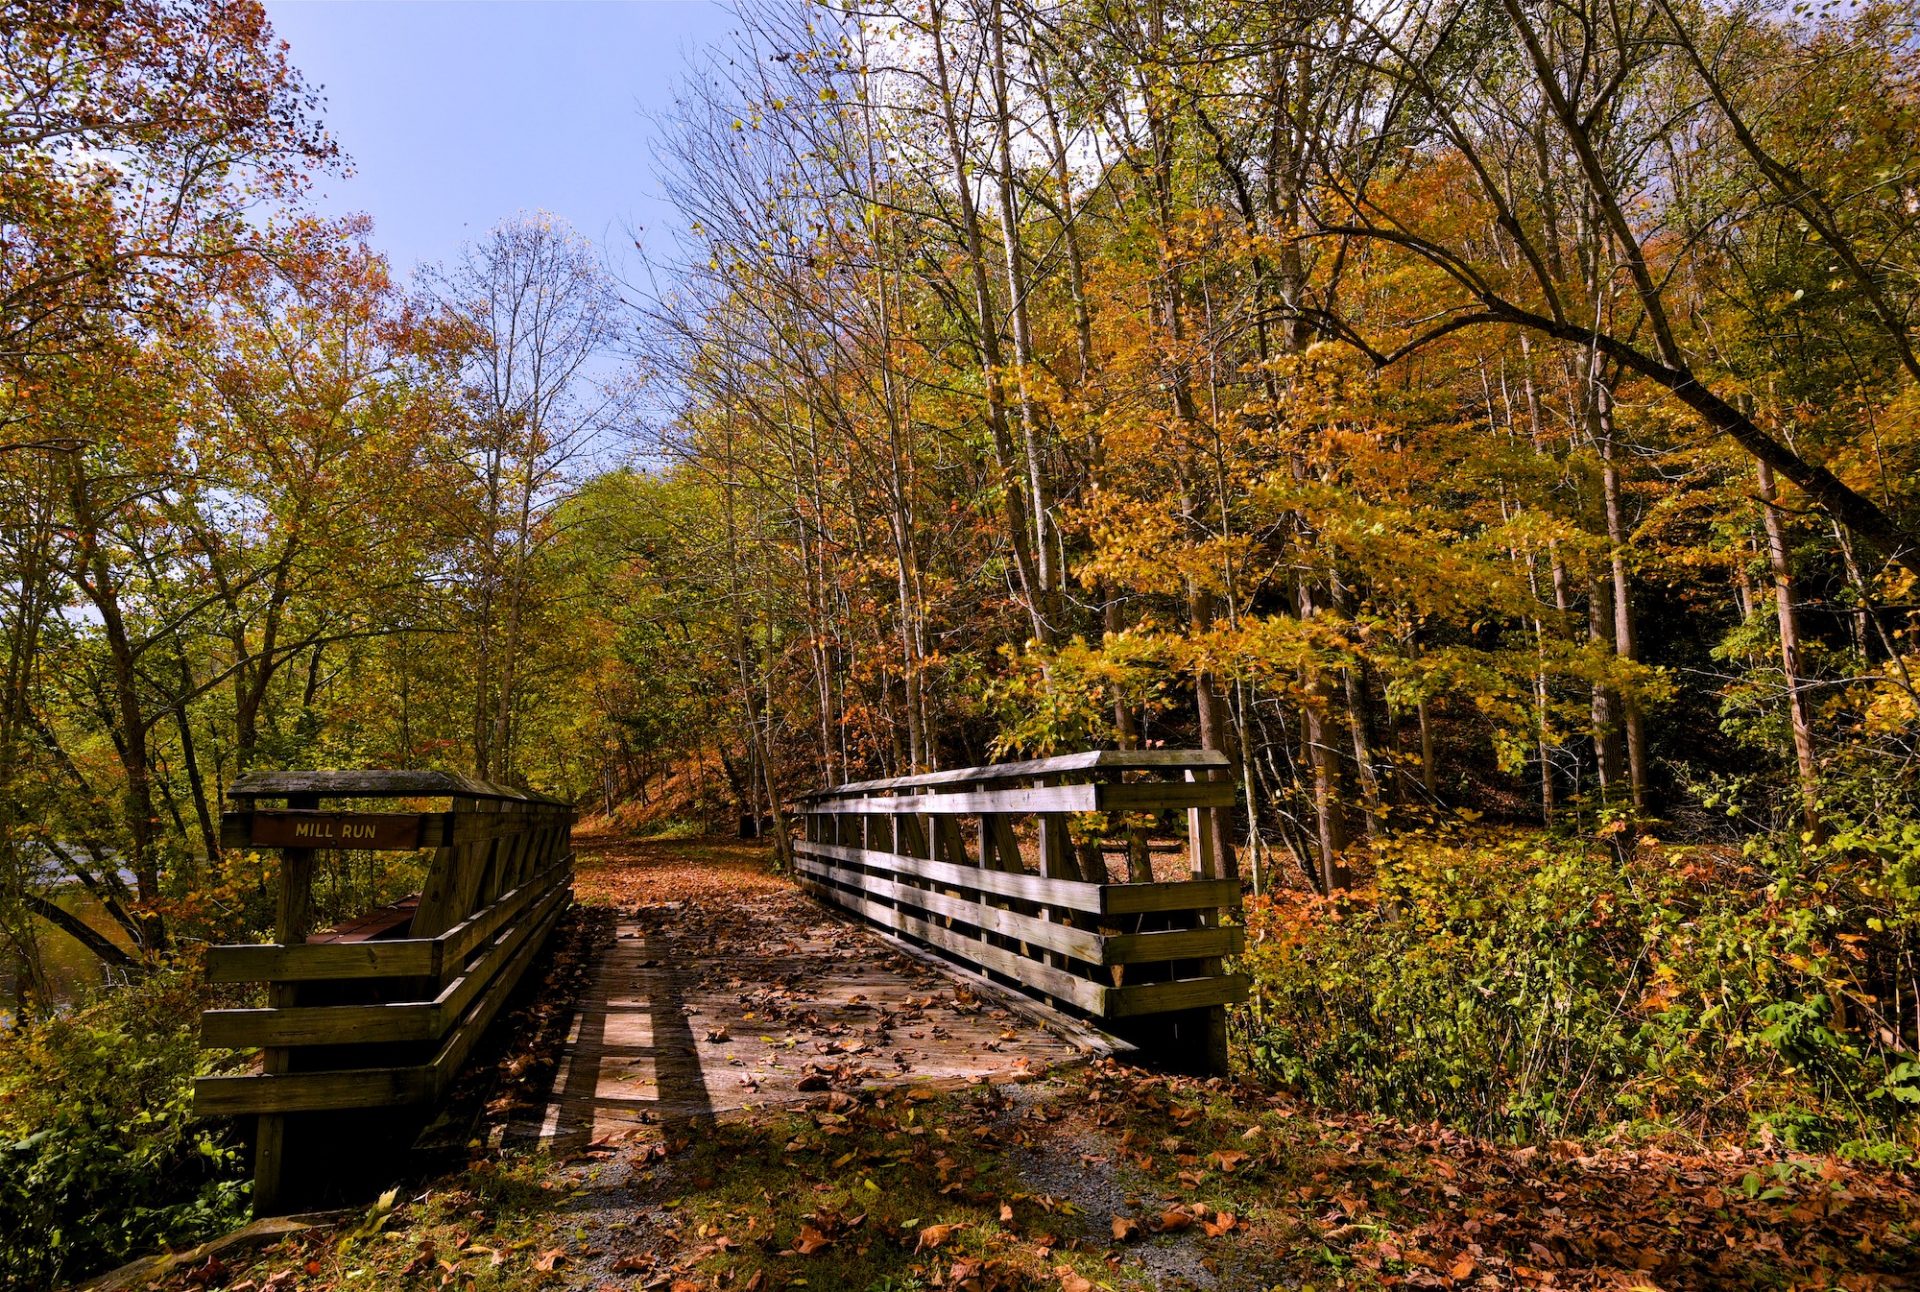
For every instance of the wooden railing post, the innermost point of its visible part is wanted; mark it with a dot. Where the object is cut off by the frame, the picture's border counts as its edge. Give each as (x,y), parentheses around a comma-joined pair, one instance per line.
(293,915)
(1206,865)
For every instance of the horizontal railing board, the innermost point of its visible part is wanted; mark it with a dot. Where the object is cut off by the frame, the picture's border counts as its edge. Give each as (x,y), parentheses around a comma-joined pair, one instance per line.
(249,1029)
(1171,944)
(1074,894)
(1045,798)
(1174,895)
(355,1024)
(1034,929)
(460,941)
(1096,998)
(1082,944)
(480,1014)
(1096,760)
(1182,993)
(380,784)
(395,958)
(1041,977)
(272,962)
(289,1092)
(384,1087)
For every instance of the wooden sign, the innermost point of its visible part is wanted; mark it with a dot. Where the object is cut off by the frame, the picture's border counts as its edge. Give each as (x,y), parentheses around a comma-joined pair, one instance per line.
(387,831)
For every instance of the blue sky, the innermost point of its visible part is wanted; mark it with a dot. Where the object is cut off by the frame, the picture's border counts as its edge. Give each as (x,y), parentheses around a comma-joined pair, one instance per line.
(458,113)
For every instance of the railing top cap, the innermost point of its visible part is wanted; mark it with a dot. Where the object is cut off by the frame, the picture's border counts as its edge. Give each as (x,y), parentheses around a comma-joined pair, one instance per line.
(379,784)
(1093,760)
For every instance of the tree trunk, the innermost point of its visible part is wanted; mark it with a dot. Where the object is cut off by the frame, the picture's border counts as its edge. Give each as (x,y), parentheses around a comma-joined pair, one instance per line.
(1782,568)
(1624,641)
(989,334)
(1606,706)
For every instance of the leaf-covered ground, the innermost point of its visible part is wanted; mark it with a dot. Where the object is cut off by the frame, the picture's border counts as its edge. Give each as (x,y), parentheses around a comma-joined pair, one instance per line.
(1094,1176)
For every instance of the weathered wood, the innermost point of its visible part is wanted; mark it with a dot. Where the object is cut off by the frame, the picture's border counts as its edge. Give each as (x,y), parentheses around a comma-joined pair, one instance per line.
(1178,895)
(270,962)
(865,847)
(374,924)
(949,844)
(293,912)
(1164,997)
(909,837)
(312,1091)
(458,942)
(437,829)
(1082,944)
(348,1088)
(467,1032)
(1170,944)
(1058,937)
(357,1024)
(1041,977)
(377,784)
(1034,888)
(399,958)
(1056,850)
(1099,760)
(1207,863)
(1005,844)
(497,882)
(1047,798)
(1074,894)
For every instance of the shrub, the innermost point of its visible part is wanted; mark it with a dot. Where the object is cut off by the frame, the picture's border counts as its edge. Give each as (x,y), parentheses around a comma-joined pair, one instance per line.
(1523,986)
(101,1158)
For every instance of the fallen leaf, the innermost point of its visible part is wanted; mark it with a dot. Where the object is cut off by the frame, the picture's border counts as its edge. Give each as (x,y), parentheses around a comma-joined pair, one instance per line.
(933,1236)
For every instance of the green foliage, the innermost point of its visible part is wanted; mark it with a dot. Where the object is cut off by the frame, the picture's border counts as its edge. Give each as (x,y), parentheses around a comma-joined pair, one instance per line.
(1059,701)
(1525,987)
(101,1158)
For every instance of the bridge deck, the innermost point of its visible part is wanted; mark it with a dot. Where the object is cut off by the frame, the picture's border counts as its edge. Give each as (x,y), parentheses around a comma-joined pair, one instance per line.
(727,988)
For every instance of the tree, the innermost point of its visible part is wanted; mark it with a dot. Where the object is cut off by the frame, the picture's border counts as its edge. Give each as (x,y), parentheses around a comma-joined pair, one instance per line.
(539,311)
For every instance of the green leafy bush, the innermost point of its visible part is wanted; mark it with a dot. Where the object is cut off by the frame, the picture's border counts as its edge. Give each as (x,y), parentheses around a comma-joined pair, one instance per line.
(101,1159)
(1523,986)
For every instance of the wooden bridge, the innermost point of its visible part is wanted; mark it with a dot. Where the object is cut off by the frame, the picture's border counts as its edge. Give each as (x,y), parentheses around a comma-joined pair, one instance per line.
(1088,883)
(1043,875)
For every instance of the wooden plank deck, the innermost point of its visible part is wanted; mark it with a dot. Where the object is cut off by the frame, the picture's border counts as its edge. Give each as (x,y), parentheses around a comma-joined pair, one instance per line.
(727,1001)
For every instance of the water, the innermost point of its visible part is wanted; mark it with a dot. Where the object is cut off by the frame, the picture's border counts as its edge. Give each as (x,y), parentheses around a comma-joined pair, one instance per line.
(73,972)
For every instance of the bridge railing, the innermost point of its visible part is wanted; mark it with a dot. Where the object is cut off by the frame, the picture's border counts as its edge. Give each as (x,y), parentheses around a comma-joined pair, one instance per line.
(380,1011)
(1042,875)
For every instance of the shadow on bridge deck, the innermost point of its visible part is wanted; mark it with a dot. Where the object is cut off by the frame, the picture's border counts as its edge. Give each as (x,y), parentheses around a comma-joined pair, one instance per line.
(736,996)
